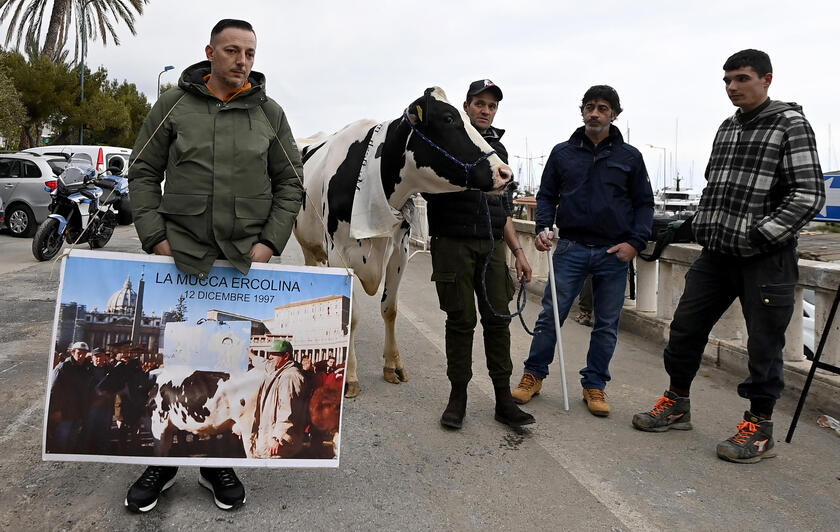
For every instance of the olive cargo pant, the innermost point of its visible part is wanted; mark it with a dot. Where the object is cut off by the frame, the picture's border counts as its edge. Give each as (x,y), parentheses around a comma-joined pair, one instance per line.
(457,265)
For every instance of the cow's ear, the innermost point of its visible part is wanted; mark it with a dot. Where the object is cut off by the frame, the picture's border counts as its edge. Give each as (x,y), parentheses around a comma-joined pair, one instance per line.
(415,113)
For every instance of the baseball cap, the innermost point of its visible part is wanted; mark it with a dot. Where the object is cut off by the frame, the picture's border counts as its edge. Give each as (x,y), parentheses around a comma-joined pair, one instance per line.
(482,85)
(281,346)
(98,351)
(80,345)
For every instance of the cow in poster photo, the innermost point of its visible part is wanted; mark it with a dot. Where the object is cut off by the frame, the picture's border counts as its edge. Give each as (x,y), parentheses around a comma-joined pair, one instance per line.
(359,182)
(202,403)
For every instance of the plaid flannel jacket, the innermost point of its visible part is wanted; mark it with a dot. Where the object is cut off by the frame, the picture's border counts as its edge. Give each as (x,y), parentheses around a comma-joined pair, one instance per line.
(764,183)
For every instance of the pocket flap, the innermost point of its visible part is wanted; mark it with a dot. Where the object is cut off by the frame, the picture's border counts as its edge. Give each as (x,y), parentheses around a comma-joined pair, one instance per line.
(616,164)
(183,204)
(443,277)
(252,208)
(777,295)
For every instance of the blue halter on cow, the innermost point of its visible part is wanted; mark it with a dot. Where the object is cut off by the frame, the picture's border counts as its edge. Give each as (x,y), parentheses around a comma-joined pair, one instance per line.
(359,183)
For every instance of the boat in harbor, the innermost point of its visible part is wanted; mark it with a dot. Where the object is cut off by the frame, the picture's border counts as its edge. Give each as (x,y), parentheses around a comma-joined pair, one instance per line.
(675,200)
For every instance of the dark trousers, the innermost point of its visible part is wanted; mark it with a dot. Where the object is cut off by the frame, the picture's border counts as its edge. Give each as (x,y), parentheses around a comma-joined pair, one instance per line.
(765,287)
(456,270)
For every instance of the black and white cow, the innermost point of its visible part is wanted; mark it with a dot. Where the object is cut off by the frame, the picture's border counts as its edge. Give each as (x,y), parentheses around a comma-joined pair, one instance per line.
(202,403)
(359,182)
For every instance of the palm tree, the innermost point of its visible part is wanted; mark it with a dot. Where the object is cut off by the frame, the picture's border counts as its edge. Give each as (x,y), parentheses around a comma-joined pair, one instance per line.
(26,18)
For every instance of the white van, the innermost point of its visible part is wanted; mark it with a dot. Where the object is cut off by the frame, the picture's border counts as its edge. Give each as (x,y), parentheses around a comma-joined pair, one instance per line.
(101,157)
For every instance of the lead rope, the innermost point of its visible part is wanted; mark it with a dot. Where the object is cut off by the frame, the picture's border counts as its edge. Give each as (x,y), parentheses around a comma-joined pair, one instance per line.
(90,222)
(306,198)
(521,298)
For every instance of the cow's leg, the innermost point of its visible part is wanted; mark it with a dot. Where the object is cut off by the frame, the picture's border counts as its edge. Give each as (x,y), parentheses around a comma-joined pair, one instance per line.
(393,371)
(164,445)
(351,380)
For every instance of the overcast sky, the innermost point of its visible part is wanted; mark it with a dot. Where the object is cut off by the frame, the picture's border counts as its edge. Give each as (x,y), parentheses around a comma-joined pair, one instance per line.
(330,62)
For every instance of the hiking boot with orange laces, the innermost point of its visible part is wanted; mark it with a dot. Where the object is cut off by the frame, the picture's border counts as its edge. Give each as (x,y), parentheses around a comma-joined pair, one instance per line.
(584,318)
(528,387)
(670,412)
(753,442)
(596,400)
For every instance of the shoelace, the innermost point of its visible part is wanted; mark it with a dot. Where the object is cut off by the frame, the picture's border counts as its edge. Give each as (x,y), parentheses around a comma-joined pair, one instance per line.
(745,431)
(598,395)
(226,477)
(663,404)
(150,477)
(525,385)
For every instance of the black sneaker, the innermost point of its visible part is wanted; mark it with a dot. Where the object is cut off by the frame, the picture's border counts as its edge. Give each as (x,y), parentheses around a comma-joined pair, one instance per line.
(753,442)
(670,412)
(228,492)
(143,494)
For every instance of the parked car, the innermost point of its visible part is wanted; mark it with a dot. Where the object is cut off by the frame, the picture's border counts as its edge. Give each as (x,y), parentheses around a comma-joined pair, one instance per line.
(105,159)
(100,157)
(26,180)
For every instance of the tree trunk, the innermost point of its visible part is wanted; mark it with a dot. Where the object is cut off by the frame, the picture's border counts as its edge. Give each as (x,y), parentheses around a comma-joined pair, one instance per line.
(59,11)
(25,138)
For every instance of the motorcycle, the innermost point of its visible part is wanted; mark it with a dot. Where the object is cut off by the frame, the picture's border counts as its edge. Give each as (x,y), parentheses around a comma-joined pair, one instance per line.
(79,212)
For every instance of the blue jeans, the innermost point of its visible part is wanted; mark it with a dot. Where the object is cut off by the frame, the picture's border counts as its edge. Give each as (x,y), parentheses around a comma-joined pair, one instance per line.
(572,262)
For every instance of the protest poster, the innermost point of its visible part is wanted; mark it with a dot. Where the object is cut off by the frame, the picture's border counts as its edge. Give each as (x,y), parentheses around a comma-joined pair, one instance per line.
(150,365)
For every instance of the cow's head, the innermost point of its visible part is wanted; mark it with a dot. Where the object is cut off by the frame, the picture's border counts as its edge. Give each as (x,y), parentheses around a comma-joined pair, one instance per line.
(451,147)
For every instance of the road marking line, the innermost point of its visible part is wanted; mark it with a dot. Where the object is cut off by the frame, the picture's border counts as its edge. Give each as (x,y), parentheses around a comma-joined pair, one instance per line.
(21,421)
(613,500)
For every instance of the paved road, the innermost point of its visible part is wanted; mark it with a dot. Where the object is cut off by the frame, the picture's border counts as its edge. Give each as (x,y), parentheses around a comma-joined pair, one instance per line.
(401,471)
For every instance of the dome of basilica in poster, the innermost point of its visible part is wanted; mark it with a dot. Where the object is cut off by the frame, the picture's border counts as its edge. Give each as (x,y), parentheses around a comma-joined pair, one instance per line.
(123,300)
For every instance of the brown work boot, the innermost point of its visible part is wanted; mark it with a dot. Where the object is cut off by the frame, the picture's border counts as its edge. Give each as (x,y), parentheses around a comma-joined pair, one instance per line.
(596,400)
(528,387)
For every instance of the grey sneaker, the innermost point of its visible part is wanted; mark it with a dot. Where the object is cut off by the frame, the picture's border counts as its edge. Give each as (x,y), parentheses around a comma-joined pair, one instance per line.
(670,412)
(753,442)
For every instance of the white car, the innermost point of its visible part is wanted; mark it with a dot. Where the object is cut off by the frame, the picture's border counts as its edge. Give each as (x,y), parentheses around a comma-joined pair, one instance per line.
(100,157)
(808,323)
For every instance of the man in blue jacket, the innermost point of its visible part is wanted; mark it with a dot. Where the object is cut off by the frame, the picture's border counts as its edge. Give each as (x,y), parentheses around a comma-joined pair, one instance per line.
(595,188)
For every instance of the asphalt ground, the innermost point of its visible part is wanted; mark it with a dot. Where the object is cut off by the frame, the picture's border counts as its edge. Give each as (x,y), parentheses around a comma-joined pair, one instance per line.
(400,470)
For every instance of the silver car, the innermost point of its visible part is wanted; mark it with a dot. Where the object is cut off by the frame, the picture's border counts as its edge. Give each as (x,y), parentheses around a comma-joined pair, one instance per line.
(25,183)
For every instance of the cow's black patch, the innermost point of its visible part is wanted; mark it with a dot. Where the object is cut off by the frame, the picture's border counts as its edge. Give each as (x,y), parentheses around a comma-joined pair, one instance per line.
(393,155)
(342,185)
(364,259)
(309,151)
(442,124)
(193,394)
(384,294)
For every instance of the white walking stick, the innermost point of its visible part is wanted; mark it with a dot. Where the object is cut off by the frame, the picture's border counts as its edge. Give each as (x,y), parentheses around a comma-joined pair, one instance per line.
(557,326)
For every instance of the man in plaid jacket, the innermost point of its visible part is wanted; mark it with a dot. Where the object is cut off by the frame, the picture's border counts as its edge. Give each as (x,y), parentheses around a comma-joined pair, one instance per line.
(764,183)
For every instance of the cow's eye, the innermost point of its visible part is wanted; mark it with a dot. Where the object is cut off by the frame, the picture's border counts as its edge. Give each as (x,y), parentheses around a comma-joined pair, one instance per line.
(448,119)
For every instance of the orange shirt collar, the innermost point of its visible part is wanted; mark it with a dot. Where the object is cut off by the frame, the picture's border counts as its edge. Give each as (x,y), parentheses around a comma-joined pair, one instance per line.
(230,95)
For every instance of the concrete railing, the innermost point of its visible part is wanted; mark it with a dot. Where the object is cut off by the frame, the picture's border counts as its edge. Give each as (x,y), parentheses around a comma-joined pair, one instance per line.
(660,284)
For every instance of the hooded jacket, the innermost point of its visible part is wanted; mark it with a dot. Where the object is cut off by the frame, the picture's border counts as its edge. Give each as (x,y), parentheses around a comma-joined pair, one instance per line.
(764,183)
(596,195)
(230,170)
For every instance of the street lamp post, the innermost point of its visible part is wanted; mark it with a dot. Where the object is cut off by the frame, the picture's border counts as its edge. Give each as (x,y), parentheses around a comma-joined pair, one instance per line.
(664,151)
(82,73)
(165,69)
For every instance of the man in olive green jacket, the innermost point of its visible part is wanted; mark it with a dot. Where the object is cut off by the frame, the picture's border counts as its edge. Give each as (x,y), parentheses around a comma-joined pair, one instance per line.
(230,162)
(232,191)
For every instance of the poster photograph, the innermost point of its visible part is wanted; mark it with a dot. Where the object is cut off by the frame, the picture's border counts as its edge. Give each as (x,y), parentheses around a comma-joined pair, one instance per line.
(150,365)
